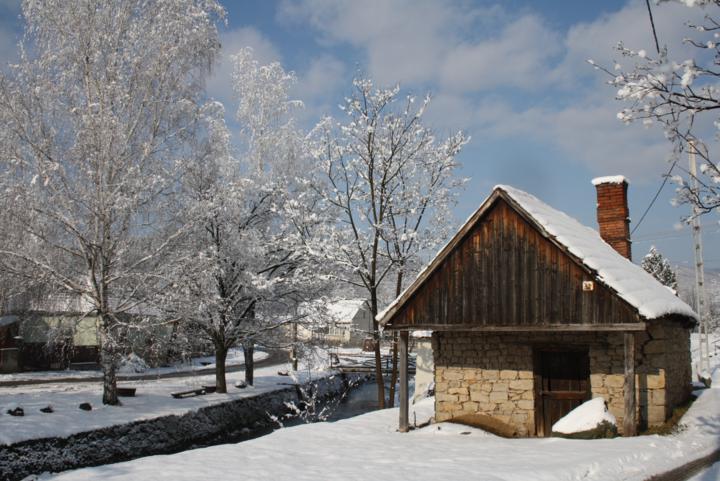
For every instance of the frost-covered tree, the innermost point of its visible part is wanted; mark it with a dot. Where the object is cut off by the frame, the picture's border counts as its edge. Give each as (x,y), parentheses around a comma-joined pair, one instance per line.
(659,267)
(97,121)
(246,266)
(385,175)
(681,95)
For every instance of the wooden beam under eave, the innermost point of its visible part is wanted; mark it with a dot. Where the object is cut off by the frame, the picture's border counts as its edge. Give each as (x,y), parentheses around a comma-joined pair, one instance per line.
(627,327)
(404,408)
(629,420)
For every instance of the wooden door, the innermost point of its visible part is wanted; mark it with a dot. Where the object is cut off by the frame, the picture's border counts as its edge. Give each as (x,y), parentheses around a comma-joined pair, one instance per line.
(563,379)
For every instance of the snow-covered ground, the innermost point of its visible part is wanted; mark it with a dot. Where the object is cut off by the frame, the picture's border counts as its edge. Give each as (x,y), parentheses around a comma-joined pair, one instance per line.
(153,399)
(710,474)
(235,358)
(369,447)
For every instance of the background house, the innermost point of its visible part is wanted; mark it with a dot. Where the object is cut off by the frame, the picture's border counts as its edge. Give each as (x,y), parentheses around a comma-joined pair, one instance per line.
(343,322)
(61,331)
(533,313)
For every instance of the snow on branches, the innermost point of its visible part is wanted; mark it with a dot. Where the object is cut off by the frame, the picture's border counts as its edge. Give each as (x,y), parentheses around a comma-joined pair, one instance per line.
(683,97)
(389,181)
(245,267)
(99,116)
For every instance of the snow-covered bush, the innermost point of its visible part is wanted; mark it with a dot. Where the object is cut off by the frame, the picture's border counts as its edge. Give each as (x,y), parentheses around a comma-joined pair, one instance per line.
(132,363)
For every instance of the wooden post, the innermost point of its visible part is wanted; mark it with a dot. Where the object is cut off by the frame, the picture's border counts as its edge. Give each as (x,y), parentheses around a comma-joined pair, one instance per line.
(629,422)
(404,424)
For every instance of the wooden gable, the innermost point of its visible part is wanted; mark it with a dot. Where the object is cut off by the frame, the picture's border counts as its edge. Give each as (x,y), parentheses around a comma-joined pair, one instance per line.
(502,272)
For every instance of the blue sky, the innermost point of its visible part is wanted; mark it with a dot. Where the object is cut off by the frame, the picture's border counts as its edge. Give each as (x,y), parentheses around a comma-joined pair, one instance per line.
(512,74)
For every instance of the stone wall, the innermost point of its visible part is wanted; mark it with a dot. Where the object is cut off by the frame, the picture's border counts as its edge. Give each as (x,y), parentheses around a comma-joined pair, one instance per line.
(493,373)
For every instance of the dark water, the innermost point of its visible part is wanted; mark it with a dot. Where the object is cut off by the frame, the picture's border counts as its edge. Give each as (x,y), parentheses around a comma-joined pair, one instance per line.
(360,400)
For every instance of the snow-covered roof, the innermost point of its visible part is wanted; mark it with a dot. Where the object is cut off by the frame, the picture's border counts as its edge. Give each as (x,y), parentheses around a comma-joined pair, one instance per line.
(611,179)
(630,281)
(345,310)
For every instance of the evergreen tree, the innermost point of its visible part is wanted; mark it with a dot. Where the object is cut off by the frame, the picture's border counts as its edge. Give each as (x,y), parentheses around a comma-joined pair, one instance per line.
(659,267)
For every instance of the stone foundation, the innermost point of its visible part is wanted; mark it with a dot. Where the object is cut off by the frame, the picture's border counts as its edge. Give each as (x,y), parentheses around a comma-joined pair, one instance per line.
(493,373)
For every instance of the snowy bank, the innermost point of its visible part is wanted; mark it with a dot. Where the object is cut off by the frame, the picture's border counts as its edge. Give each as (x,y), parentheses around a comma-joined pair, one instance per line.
(369,447)
(231,419)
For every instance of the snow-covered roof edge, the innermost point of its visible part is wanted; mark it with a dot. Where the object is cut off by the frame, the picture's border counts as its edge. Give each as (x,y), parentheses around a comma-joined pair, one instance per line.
(640,289)
(610,179)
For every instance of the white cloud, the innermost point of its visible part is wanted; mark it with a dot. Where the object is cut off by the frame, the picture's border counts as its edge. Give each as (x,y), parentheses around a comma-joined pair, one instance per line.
(320,86)
(518,57)
(512,76)
(403,40)
(219,85)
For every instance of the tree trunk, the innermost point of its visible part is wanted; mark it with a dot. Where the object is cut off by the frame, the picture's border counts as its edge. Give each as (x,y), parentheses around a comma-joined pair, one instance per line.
(107,359)
(394,371)
(379,380)
(294,351)
(394,375)
(248,351)
(220,358)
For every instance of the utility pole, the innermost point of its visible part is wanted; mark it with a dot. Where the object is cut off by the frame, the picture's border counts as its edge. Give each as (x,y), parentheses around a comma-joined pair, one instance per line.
(703,343)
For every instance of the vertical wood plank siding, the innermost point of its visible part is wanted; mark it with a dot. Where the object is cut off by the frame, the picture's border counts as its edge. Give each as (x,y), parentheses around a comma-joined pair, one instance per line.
(505,273)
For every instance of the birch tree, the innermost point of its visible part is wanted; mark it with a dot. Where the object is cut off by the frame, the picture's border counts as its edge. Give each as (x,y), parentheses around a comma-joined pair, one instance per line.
(97,120)
(246,267)
(383,174)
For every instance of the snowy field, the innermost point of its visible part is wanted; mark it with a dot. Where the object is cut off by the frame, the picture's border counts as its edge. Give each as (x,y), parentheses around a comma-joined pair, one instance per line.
(152,400)
(235,358)
(368,447)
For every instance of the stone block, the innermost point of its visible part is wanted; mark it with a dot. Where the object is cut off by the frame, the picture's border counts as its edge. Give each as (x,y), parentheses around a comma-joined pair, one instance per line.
(457,390)
(490,374)
(480,396)
(655,381)
(519,418)
(657,397)
(615,381)
(526,405)
(508,374)
(499,396)
(442,397)
(521,384)
(656,414)
(453,375)
(597,379)
(525,374)
(499,386)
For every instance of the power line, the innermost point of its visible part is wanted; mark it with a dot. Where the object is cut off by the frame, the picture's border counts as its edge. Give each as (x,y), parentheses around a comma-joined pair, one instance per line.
(652,24)
(665,179)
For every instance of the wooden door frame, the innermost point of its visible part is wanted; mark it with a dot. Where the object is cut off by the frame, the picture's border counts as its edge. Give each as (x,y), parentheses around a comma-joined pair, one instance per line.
(538,384)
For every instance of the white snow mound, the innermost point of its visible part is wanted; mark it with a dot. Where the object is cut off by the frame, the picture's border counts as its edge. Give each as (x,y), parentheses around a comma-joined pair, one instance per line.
(584,417)
(132,364)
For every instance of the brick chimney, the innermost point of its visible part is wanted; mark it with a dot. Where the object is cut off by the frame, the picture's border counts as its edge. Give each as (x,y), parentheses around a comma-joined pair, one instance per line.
(613,214)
